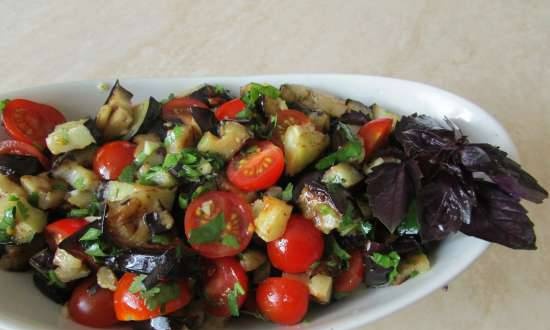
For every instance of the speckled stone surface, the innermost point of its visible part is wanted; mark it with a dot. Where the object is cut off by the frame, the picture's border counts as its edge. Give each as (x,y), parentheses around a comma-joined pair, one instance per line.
(495,53)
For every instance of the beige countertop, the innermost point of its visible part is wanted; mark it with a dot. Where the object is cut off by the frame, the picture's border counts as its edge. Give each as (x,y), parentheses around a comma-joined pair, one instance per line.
(495,53)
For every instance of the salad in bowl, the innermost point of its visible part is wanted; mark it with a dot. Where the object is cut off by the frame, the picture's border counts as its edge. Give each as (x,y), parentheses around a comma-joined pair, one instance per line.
(203,207)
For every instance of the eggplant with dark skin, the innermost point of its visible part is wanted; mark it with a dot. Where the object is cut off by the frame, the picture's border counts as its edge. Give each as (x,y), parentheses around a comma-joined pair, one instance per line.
(211,96)
(153,112)
(16,257)
(42,264)
(18,165)
(205,119)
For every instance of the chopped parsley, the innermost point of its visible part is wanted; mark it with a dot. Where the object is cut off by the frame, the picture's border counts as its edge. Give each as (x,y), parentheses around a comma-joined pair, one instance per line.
(192,165)
(3,104)
(78,213)
(233,299)
(208,232)
(21,207)
(409,225)
(7,224)
(287,192)
(390,260)
(79,183)
(230,240)
(170,97)
(157,296)
(339,258)
(351,225)
(160,239)
(91,234)
(173,135)
(54,280)
(127,174)
(351,151)
(218,88)
(33,199)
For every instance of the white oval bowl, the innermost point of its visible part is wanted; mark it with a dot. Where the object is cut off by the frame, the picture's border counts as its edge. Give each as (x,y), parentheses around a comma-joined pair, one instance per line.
(23,307)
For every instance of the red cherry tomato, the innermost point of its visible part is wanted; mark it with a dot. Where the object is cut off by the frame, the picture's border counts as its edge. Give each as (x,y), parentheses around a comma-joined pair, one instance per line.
(30,122)
(112,158)
(283,300)
(13,147)
(300,246)
(258,167)
(237,215)
(131,306)
(174,108)
(230,109)
(286,118)
(350,279)
(375,134)
(59,230)
(92,306)
(221,278)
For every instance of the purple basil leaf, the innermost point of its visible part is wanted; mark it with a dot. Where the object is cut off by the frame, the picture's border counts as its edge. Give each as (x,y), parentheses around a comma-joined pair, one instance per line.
(505,172)
(422,136)
(445,204)
(390,192)
(500,218)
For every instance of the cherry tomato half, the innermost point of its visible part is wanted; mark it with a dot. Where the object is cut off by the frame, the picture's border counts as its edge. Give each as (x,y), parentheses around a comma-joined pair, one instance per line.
(59,230)
(174,108)
(13,147)
(230,109)
(131,306)
(237,215)
(221,278)
(286,118)
(283,300)
(30,122)
(91,305)
(258,167)
(375,134)
(351,278)
(112,158)
(300,246)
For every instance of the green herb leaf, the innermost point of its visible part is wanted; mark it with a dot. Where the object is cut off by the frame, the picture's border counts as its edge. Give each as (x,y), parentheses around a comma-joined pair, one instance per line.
(337,253)
(58,186)
(54,280)
(183,201)
(3,104)
(409,225)
(287,192)
(209,232)
(127,174)
(157,296)
(79,183)
(230,240)
(351,151)
(7,224)
(91,234)
(95,250)
(232,299)
(78,213)
(219,89)
(160,239)
(256,90)
(170,97)
(23,209)
(33,198)
(390,260)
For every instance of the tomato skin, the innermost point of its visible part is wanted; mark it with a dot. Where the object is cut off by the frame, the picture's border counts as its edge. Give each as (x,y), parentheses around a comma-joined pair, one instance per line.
(375,134)
(300,246)
(93,309)
(221,278)
(238,217)
(112,158)
(30,122)
(352,278)
(14,147)
(286,118)
(229,109)
(283,300)
(258,170)
(131,306)
(176,106)
(60,229)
